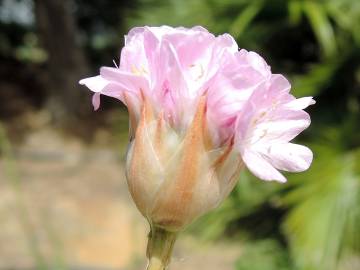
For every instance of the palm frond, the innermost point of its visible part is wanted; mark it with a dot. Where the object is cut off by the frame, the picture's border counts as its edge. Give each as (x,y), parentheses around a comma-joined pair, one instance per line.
(324,222)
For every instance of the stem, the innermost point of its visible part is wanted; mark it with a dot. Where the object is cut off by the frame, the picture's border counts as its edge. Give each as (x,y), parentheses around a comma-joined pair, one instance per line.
(159,249)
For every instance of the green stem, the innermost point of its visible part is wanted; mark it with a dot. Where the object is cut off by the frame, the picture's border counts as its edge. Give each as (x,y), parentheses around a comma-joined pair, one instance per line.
(159,249)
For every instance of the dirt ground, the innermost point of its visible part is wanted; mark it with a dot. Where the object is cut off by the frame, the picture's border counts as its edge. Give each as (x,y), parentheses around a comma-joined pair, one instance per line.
(71,209)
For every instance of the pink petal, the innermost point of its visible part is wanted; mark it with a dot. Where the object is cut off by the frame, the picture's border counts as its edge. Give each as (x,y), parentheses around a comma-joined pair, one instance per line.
(260,167)
(133,55)
(300,103)
(282,128)
(258,63)
(131,82)
(199,28)
(191,46)
(279,87)
(289,157)
(96,101)
(95,84)
(133,34)
(99,85)
(177,87)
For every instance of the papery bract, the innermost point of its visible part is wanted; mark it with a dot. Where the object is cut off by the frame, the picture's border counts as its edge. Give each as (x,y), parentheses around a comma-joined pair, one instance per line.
(174,177)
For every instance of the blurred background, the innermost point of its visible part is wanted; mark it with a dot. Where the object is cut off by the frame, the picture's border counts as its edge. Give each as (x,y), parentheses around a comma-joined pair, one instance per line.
(64,203)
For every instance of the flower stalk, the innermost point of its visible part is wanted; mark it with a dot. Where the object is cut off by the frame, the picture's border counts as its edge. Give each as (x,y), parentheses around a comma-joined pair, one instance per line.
(159,249)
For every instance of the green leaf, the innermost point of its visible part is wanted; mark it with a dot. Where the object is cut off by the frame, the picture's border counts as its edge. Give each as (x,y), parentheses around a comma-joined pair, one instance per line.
(346,14)
(321,26)
(295,10)
(263,255)
(245,18)
(325,213)
(319,76)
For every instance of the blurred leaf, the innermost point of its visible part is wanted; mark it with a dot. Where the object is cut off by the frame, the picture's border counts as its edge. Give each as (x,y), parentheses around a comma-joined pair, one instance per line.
(248,196)
(245,18)
(263,255)
(295,10)
(319,76)
(23,215)
(321,26)
(30,51)
(346,14)
(13,178)
(213,225)
(326,208)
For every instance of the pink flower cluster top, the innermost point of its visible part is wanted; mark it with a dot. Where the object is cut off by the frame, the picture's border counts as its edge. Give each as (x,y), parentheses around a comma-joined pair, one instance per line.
(245,103)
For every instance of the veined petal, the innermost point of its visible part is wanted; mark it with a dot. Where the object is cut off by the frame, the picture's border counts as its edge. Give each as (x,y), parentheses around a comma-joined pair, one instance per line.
(136,31)
(133,56)
(179,101)
(260,167)
(281,129)
(132,82)
(289,157)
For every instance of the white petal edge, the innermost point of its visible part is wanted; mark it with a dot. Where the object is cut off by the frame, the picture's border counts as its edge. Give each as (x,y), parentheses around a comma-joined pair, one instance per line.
(300,103)
(95,84)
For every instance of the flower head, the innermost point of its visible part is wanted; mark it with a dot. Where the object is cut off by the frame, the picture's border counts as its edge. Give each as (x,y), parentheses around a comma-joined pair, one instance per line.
(200,110)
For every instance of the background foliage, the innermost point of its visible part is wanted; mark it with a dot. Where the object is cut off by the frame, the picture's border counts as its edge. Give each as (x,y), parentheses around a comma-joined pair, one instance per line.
(313,221)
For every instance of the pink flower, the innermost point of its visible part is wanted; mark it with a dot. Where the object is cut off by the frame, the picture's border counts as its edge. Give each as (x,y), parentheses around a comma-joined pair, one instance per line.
(200,109)
(171,66)
(235,82)
(271,118)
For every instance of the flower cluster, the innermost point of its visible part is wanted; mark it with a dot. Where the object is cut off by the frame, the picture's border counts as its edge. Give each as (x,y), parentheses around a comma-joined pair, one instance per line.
(200,110)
